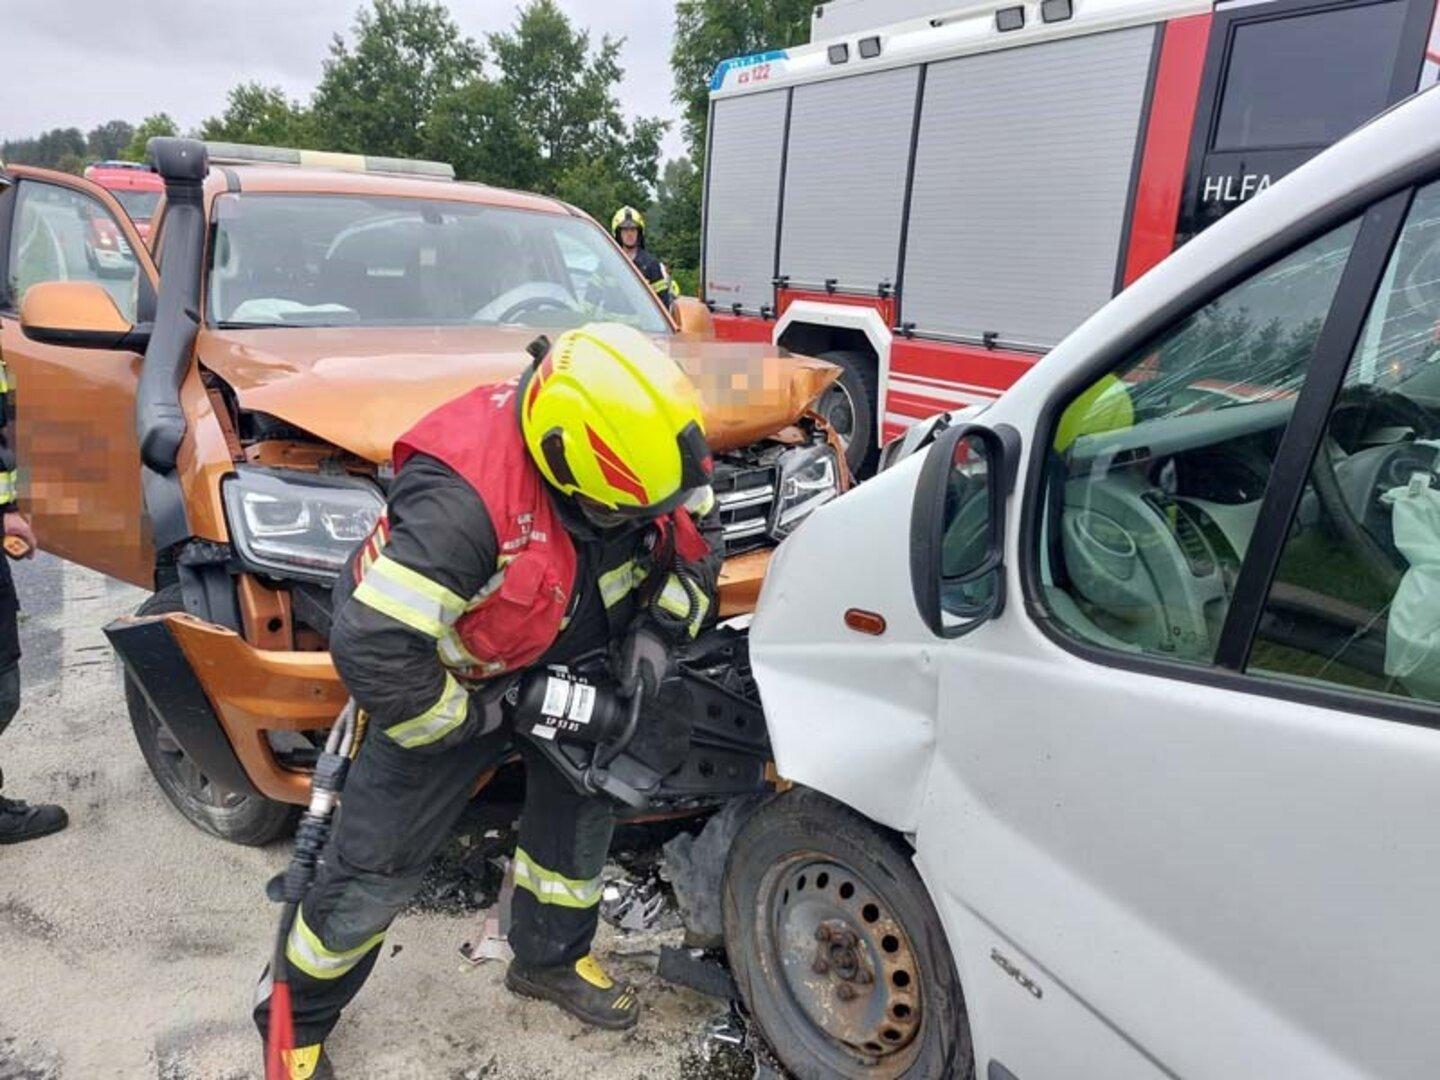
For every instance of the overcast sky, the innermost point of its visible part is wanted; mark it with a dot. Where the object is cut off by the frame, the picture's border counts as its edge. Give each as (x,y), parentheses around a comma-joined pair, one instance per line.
(78,63)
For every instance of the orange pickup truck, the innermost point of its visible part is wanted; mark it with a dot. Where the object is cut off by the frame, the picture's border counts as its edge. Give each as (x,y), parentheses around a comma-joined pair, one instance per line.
(216,426)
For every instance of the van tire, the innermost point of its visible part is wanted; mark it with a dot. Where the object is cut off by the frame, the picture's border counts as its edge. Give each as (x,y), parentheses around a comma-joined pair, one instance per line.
(856,873)
(251,820)
(859,384)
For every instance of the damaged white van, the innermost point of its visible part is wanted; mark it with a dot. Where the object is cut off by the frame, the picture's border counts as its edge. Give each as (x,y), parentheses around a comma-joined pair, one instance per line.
(1120,758)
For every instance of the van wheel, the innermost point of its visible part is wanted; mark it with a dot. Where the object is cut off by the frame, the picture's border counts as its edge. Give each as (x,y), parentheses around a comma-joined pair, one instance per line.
(836,948)
(848,406)
(242,819)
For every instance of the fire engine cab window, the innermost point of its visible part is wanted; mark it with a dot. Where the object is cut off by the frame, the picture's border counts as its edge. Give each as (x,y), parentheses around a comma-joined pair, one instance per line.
(61,235)
(1307,80)
(1157,469)
(1356,598)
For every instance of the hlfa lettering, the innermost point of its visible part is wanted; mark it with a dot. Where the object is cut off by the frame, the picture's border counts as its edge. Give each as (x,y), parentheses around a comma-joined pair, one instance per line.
(1225,188)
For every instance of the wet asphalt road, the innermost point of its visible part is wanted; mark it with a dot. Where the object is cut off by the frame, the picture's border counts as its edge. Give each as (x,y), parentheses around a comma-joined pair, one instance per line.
(130,943)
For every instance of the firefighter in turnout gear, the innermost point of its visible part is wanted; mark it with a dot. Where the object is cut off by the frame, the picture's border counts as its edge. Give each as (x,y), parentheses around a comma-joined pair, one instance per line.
(628,228)
(19,821)
(528,523)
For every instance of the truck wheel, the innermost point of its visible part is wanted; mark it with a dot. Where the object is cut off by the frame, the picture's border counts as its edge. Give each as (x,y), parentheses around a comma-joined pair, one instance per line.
(242,819)
(837,950)
(848,406)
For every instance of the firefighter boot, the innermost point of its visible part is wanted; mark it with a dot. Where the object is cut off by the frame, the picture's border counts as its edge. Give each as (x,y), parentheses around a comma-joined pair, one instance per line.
(581,989)
(20,821)
(308,1063)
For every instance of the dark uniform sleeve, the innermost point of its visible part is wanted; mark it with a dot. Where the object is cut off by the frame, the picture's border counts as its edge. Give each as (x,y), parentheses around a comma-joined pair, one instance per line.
(441,550)
(656,274)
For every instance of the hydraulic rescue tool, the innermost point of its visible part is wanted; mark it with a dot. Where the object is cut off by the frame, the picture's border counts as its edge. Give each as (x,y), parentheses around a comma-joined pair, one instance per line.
(314,828)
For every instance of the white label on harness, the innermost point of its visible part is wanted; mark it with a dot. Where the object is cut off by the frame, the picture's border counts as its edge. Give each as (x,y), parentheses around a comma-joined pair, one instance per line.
(557,696)
(582,703)
(543,731)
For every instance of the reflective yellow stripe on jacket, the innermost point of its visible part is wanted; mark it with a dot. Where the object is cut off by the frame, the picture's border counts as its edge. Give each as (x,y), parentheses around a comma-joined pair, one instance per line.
(617,584)
(447,714)
(409,597)
(306,951)
(686,602)
(9,489)
(548,887)
(701,501)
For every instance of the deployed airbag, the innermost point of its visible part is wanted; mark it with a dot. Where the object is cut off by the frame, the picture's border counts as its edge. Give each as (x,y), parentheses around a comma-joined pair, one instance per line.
(1412,646)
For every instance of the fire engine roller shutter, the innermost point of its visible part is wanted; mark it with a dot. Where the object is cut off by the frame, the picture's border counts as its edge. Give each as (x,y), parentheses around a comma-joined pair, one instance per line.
(744,197)
(845,179)
(1022,177)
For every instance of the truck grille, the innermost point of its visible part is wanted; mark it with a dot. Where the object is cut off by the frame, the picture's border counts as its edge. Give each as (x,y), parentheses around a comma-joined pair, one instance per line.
(745,496)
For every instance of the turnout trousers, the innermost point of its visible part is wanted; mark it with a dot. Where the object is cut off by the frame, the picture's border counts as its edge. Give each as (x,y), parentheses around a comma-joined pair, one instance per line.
(397,809)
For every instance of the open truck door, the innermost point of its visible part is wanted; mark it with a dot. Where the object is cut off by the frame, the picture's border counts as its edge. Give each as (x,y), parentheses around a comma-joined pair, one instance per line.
(70,250)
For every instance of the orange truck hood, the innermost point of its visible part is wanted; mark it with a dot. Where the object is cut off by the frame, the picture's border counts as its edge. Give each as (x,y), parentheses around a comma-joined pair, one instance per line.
(362,388)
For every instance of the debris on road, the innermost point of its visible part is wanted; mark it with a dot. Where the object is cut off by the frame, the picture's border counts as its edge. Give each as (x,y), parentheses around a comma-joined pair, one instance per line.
(638,904)
(702,970)
(493,941)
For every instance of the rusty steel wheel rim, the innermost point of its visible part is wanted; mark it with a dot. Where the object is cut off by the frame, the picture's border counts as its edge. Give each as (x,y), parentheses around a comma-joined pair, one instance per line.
(844,958)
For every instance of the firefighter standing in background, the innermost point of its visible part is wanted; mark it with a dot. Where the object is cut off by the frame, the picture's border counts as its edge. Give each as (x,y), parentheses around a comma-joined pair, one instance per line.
(18,820)
(628,226)
(526,525)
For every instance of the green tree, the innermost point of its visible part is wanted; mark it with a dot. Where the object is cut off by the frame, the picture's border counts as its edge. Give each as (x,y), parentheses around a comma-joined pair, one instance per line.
(708,31)
(109,140)
(674,220)
(261,115)
(377,95)
(55,149)
(477,130)
(562,92)
(150,127)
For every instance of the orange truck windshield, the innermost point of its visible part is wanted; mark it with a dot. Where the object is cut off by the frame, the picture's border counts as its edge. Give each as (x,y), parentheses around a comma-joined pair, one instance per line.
(346,260)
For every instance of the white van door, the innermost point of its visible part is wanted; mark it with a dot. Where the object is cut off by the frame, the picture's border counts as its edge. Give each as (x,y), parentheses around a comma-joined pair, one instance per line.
(1183,816)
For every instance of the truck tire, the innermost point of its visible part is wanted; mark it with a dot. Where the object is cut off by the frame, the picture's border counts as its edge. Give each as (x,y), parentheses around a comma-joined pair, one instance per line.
(849,406)
(837,950)
(251,820)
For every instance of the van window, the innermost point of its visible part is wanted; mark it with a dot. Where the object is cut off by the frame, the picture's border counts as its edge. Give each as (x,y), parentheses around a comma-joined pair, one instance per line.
(1356,597)
(1306,80)
(62,235)
(1158,468)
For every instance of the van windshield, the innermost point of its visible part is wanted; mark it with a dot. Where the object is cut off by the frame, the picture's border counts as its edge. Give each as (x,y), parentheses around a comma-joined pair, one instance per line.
(349,260)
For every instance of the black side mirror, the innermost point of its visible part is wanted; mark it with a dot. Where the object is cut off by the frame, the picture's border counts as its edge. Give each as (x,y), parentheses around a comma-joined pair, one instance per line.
(957,527)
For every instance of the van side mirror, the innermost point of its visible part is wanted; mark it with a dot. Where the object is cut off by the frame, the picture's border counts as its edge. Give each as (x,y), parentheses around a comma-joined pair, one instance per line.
(80,314)
(957,527)
(694,318)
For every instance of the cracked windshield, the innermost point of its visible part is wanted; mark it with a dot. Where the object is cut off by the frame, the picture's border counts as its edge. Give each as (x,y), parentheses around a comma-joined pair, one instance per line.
(322,260)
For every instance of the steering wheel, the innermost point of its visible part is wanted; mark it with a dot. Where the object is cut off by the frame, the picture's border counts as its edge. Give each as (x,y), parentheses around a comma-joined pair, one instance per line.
(532,296)
(1387,566)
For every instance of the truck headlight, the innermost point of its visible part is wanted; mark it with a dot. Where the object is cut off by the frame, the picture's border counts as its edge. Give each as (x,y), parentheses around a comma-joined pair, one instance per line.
(299,524)
(809,478)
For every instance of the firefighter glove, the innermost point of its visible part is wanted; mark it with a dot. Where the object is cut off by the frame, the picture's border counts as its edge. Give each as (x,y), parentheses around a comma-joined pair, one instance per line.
(642,661)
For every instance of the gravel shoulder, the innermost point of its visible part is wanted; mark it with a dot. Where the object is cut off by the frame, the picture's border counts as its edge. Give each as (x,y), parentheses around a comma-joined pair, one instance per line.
(132,942)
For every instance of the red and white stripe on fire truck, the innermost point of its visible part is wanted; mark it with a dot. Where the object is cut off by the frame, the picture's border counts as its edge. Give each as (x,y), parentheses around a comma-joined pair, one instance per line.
(948,195)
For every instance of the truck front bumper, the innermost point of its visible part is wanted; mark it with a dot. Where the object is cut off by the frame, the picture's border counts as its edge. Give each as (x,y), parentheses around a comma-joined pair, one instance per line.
(220,696)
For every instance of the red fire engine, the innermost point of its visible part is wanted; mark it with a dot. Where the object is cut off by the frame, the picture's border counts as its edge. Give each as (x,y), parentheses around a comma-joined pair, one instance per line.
(934,202)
